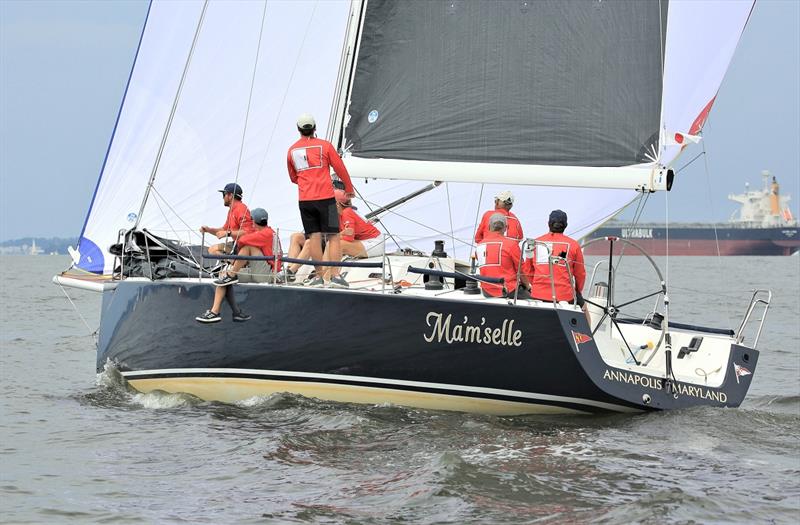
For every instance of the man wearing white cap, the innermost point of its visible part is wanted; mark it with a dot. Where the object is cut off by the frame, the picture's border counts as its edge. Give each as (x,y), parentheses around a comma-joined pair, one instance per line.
(503,202)
(309,162)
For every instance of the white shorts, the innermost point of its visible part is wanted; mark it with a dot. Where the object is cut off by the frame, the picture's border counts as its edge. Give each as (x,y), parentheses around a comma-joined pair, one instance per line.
(375,247)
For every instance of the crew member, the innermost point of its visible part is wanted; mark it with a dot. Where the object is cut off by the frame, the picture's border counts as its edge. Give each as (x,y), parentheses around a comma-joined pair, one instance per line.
(355,231)
(537,268)
(237,223)
(359,237)
(309,161)
(259,242)
(499,256)
(503,202)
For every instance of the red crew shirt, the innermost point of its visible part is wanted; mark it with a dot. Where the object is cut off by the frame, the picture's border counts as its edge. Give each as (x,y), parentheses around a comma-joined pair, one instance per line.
(538,270)
(499,256)
(362,230)
(263,240)
(309,162)
(238,218)
(514,230)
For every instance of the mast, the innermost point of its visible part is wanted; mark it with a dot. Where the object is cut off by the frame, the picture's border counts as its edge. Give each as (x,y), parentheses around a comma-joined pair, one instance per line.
(335,131)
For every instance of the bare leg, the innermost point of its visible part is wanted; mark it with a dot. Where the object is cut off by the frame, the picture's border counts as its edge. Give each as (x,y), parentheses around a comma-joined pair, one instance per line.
(224,293)
(314,244)
(353,248)
(231,298)
(219,295)
(298,249)
(296,242)
(333,252)
(238,264)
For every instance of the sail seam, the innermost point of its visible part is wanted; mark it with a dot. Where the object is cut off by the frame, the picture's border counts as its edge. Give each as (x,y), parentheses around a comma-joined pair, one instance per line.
(168,127)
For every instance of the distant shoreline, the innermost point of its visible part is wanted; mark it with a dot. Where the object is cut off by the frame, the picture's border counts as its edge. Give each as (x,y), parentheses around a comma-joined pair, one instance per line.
(37,246)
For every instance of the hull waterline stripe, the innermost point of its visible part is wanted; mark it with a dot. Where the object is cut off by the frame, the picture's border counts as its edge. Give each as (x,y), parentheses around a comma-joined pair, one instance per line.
(515,395)
(237,389)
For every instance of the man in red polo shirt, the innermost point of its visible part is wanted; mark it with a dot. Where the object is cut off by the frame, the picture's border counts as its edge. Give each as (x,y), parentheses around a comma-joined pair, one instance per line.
(237,223)
(259,242)
(537,268)
(503,202)
(499,256)
(309,161)
(355,231)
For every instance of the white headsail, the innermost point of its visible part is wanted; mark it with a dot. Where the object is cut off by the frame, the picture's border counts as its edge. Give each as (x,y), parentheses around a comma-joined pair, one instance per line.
(296,73)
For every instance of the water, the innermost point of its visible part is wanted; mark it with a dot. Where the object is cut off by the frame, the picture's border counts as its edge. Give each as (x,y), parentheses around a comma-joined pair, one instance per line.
(79,448)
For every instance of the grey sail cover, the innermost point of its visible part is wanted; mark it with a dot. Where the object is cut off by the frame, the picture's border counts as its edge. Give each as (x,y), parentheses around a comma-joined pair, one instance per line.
(570,83)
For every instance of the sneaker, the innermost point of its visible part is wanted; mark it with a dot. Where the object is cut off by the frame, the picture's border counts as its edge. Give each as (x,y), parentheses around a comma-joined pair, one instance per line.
(208,317)
(317,282)
(226,280)
(337,281)
(241,317)
(289,276)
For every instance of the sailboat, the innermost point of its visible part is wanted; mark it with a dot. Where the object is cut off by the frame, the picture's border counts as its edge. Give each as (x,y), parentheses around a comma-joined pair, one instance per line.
(433,105)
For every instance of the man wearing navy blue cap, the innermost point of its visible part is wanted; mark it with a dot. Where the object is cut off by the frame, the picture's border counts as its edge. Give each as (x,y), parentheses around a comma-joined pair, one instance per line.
(237,223)
(569,272)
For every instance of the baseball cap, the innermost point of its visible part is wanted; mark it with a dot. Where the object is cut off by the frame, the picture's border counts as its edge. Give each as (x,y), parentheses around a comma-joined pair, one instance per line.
(232,188)
(260,216)
(505,196)
(342,198)
(306,121)
(557,216)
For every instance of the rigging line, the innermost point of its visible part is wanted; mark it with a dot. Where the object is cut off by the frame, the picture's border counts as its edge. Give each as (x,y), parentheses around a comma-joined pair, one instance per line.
(171,115)
(383,226)
(174,213)
(249,102)
(690,162)
(637,215)
(475,225)
(74,307)
(380,223)
(714,222)
(285,94)
(423,225)
(450,213)
(174,231)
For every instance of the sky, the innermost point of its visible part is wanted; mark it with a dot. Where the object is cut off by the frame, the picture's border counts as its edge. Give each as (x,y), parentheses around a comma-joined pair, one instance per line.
(64,66)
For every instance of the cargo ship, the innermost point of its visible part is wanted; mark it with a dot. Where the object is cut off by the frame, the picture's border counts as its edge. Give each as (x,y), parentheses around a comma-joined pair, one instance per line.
(763,225)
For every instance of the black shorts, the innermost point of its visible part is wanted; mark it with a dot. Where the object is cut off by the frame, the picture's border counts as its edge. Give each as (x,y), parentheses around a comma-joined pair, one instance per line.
(319,216)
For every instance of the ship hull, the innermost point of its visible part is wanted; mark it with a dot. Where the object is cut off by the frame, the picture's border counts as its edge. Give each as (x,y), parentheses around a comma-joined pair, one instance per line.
(377,348)
(700,241)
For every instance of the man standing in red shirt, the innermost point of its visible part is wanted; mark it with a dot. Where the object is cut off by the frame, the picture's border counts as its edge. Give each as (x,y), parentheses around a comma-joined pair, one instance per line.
(499,256)
(237,223)
(259,242)
(309,162)
(503,202)
(537,268)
